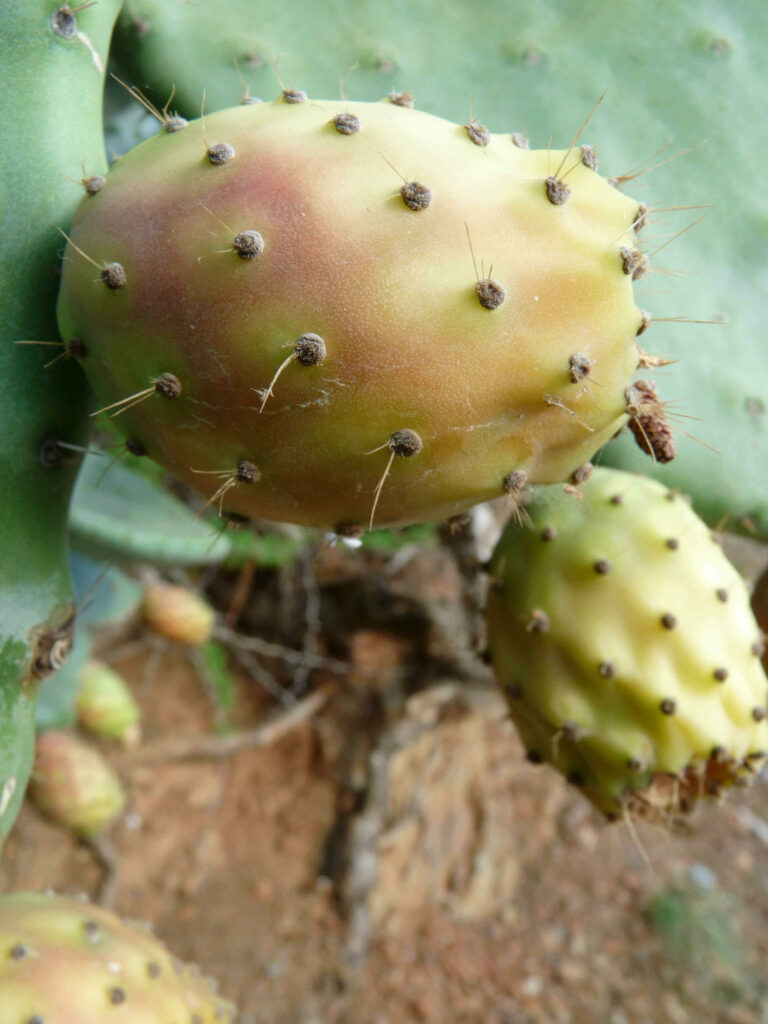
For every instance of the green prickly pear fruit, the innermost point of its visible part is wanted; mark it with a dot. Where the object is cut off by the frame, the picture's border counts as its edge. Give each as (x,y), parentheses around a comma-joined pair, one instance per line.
(105,705)
(178,613)
(624,642)
(74,785)
(67,962)
(330,313)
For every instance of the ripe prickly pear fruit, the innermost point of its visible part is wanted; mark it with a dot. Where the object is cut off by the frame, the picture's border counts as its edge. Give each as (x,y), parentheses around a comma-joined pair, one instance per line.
(624,642)
(105,705)
(67,962)
(73,784)
(272,302)
(178,613)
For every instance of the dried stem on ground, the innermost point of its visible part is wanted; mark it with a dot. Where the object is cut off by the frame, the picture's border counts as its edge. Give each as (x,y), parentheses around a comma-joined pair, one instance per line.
(193,748)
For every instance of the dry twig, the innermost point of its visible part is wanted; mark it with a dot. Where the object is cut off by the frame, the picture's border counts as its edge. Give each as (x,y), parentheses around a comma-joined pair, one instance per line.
(206,747)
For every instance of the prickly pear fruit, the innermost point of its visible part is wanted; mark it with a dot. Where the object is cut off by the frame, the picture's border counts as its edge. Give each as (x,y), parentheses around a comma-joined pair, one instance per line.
(67,962)
(105,705)
(73,784)
(624,642)
(314,311)
(178,613)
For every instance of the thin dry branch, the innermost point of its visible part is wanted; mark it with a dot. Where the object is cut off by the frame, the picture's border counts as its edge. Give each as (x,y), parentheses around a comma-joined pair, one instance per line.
(199,748)
(288,655)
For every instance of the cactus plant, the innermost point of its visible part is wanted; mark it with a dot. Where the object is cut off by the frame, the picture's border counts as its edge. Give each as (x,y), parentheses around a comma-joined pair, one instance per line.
(448,316)
(104,595)
(68,962)
(50,56)
(58,692)
(440,380)
(624,642)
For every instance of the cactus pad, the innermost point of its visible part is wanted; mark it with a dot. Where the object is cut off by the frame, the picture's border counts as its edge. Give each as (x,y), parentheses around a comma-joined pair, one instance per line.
(624,642)
(121,514)
(42,162)
(325,310)
(67,962)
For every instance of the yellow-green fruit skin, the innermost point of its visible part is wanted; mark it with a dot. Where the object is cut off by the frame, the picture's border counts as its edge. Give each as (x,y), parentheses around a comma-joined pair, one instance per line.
(73,783)
(624,642)
(178,613)
(105,705)
(391,290)
(67,962)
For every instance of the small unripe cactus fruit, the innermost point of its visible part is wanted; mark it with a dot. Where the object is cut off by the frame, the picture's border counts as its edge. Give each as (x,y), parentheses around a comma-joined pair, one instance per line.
(624,642)
(105,705)
(67,962)
(73,784)
(178,613)
(449,275)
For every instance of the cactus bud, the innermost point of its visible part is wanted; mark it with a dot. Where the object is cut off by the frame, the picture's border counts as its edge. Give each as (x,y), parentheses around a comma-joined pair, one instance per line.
(178,613)
(73,784)
(105,705)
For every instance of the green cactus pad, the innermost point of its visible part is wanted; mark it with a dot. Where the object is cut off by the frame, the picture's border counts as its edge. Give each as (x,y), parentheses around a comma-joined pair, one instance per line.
(624,642)
(104,595)
(67,962)
(51,83)
(120,514)
(298,325)
(679,74)
(58,691)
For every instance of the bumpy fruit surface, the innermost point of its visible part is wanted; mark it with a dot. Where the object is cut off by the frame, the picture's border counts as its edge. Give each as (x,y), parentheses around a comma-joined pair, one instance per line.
(178,613)
(626,647)
(105,705)
(67,962)
(73,783)
(282,307)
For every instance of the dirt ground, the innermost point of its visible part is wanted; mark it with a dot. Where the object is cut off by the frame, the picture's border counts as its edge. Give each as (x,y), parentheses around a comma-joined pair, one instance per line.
(383,853)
